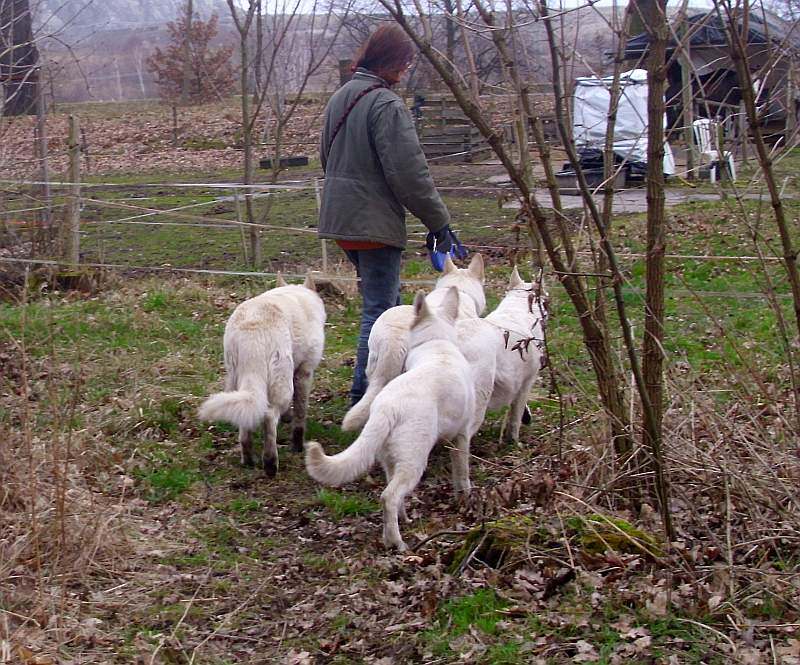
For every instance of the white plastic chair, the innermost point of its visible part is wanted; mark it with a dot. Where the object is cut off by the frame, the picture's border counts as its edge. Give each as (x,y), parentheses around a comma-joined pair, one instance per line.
(705,135)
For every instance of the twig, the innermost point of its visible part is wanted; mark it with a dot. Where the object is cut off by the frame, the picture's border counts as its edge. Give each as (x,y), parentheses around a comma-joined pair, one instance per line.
(227,618)
(711,629)
(436,535)
(186,609)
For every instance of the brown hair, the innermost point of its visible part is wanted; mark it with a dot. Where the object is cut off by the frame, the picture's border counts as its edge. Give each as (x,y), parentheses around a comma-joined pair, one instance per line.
(387,52)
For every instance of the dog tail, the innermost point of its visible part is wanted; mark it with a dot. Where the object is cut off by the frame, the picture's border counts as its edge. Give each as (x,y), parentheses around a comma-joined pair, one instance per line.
(355,418)
(245,408)
(354,461)
(383,365)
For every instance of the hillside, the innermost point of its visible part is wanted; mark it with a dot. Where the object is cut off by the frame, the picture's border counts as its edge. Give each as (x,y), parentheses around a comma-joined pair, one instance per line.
(80,19)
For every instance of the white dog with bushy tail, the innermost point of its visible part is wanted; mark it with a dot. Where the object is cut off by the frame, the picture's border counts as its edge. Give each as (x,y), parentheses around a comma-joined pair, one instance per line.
(388,340)
(434,400)
(506,351)
(272,344)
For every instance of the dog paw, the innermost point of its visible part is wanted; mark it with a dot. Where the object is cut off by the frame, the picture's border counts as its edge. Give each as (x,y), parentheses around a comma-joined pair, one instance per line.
(394,543)
(270,467)
(398,547)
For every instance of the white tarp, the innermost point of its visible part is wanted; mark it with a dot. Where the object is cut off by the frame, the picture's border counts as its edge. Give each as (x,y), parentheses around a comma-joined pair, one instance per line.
(590,113)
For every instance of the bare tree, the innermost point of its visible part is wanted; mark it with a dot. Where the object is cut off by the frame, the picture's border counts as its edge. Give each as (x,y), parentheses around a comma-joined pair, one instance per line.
(280,49)
(19,58)
(596,332)
(502,30)
(654,18)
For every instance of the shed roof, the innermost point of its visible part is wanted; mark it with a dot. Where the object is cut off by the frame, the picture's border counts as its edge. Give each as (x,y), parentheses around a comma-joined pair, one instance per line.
(707,30)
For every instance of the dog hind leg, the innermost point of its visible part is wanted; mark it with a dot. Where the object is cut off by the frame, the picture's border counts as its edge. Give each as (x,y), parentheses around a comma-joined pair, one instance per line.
(515,413)
(246,442)
(388,469)
(269,453)
(401,484)
(459,461)
(302,385)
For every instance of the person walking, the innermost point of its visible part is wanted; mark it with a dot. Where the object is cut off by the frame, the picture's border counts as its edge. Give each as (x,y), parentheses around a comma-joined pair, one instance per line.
(375,170)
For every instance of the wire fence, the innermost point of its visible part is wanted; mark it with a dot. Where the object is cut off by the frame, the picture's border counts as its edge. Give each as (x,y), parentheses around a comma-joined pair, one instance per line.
(192,216)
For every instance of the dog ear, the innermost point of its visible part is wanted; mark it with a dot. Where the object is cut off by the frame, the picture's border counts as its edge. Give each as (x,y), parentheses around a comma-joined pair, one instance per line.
(449,307)
(279,280)
(515,281)
(476,267)
(449,266)
(309,282)
(420,306)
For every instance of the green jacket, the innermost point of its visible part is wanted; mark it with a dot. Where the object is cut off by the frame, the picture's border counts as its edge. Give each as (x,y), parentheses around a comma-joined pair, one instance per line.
(374,169)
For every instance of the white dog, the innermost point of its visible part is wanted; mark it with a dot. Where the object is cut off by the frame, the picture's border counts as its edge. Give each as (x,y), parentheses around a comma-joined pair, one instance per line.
(433,400)
(388,340)
(273,343)
(506,351)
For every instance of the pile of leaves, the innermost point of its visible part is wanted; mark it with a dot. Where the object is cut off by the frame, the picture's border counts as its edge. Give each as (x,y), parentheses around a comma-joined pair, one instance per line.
(139,137)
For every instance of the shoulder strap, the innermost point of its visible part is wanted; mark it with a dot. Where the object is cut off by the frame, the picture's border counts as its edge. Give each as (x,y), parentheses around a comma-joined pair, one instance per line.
(341,122)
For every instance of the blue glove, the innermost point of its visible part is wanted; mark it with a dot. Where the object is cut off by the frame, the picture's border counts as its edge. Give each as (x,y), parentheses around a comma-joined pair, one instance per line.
(441,243)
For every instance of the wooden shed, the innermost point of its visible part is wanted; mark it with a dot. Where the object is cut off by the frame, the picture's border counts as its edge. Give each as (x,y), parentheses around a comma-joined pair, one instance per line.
(773,48)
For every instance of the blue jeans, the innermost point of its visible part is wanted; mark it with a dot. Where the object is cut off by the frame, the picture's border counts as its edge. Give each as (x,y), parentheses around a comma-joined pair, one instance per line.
(379,270)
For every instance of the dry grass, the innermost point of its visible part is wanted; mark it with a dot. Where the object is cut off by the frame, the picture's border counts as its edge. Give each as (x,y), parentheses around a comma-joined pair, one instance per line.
(90,566)
(68,522)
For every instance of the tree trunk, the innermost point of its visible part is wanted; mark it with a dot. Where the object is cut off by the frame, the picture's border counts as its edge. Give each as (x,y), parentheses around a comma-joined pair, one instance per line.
(247,145)
(450,32)
(187,55)
(654,13)
(46,231)
(19,58)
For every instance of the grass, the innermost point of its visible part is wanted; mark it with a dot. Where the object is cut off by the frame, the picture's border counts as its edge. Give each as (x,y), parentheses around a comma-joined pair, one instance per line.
(480,610)
(167,483)
(145,351)
(691,322)
(341,504)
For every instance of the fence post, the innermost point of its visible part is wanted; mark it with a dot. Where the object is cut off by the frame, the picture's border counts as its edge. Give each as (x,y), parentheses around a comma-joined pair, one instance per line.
(71,246)
(46,231)
(242,238)
(174,126)
(324,242)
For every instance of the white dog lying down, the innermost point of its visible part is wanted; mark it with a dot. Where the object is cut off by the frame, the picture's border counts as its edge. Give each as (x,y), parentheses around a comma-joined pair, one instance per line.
(433,400)
(505,352)
(388,341)
(273,343)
